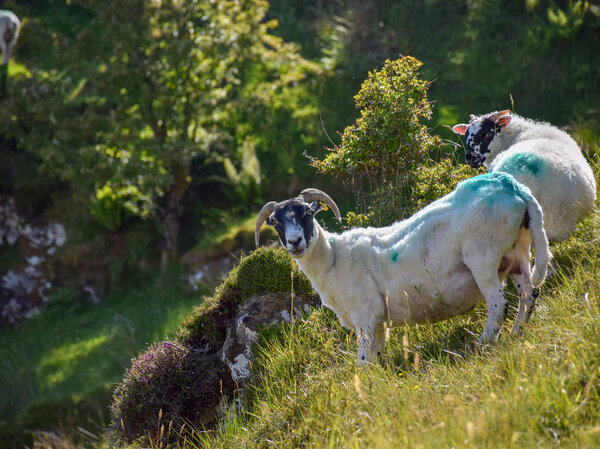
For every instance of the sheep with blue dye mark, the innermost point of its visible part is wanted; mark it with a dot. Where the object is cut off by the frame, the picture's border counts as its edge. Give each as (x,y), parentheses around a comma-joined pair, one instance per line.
(540,156)
(9,32)
(439,263)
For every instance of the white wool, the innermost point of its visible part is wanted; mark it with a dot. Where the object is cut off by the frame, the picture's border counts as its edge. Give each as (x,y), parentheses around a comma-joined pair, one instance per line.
(565,188)
(439,263)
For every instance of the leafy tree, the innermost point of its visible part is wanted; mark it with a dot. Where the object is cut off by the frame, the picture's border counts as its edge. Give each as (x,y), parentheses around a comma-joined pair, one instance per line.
(176,75)
(141,90)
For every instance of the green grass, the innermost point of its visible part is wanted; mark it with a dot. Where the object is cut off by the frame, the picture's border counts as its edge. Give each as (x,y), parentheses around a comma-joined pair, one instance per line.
(239,234)
(67,355)
(433,388)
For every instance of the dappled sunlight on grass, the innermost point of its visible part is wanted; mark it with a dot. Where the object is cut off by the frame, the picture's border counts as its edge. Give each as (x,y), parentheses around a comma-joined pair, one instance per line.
(61,362)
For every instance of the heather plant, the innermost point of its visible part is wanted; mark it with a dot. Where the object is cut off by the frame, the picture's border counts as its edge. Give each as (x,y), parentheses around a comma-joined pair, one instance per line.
(166,387)
(182,382)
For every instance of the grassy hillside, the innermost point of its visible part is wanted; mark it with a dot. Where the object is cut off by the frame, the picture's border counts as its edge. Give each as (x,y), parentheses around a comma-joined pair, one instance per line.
(434,388)
(58,369)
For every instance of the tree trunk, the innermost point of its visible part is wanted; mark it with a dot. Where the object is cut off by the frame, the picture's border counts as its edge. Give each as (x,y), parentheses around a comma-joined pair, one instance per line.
(173,213)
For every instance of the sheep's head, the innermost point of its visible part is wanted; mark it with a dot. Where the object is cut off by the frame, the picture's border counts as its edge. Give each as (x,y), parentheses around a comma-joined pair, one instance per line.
(480,133)
(293,219)
(9,24)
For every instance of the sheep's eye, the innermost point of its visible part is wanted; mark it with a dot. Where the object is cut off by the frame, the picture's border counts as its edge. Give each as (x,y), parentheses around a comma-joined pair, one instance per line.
(308,212)
(489,135)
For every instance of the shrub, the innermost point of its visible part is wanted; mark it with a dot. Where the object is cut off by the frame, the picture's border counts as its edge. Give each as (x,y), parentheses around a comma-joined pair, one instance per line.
(388,150)
(387,140)
(167,386)
(173,383)
(387,203)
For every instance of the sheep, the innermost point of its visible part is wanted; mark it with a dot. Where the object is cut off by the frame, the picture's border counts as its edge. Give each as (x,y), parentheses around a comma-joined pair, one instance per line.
(9,32)
(540,156)
(436,264)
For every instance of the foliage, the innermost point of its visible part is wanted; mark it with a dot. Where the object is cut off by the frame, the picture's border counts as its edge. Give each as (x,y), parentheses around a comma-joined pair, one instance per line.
(164,85)
(113,206)
(177,78)
(387,141)
(389,149)
(388,202)
(248,178)
(167,387)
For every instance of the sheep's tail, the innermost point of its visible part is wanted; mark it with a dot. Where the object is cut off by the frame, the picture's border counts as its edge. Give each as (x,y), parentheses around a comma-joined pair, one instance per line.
(540,241)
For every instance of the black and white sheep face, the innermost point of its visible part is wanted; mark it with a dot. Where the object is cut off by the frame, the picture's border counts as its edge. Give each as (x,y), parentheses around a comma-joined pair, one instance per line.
(294,222)
(480,134)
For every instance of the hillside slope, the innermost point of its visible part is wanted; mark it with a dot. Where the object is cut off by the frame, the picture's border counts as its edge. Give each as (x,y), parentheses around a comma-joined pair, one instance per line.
(433,387)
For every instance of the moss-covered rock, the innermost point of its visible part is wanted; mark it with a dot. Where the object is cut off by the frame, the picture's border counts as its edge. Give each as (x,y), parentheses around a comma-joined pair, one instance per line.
(185,381)
(266,270)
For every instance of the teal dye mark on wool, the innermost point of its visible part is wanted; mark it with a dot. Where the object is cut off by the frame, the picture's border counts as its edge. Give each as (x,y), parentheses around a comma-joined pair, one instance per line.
(489,187)
(526,163)
(396,251)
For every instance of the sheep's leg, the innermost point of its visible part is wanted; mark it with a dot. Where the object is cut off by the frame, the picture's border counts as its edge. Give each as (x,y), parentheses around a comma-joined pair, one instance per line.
(371,340)
(497,305)
(483,265)
(527,297)
(497,311)
(364,345)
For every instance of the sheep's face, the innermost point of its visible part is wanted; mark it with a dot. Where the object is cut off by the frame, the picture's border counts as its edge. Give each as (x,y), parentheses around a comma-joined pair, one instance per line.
(294,222)
(480,134)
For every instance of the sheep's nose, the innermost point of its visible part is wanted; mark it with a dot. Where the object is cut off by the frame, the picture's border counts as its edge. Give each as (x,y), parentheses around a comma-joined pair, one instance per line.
(295,241)
(474,160)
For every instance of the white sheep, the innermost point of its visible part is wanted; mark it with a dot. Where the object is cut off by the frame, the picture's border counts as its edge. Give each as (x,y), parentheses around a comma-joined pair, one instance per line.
(9,32)
(439,263)
(540,156)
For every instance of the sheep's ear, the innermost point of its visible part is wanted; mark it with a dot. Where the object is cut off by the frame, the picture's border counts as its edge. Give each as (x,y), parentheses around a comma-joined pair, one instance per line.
(316,207)
(503,119)
(460,129)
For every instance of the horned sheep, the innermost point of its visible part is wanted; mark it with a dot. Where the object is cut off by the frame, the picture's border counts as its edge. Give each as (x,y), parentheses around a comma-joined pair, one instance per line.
(540,156)
(438,263)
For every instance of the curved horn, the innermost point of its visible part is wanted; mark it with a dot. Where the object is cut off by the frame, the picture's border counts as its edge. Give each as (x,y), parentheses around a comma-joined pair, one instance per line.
(310,195)
(262,216)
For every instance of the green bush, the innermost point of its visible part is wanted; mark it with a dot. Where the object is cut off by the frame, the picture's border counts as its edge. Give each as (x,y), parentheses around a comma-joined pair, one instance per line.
(386,153)
(389,202)
(387,141)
